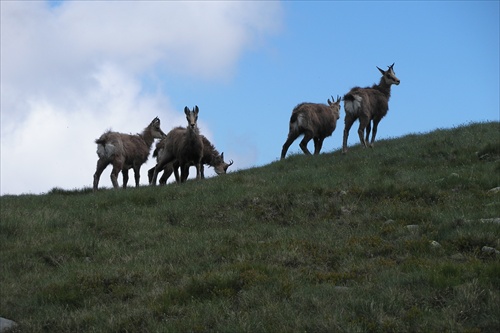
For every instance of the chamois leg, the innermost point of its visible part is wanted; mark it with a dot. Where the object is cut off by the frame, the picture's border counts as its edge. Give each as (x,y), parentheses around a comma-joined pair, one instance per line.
(155,175)
(150,174)
(114,175)
(175,170)
(184,172)
(125,177)
(177,176)
(137,174)
(318,143)
(368,129)
(375,125)
(348,124)
(292,136)
(198,170)
(303,144)
(159,167)
(169,158)
(363,123)
(202,171)
(167,172)
(101,165)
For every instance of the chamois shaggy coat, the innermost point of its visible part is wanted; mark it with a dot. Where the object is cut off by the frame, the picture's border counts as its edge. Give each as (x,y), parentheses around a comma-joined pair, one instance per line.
(368,104)
(187,148)
(211,157)
(315,121)
(125,151)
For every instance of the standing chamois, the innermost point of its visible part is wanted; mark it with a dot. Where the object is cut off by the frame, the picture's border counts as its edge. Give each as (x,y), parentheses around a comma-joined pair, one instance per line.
(368,104)
(125,151)
(315,121)
(187,148)
(210,157)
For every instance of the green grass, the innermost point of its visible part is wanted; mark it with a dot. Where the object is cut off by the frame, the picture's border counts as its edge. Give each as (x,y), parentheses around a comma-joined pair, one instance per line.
(309,244)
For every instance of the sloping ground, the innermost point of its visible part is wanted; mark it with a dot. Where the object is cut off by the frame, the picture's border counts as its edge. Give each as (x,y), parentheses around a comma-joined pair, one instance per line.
(401,237)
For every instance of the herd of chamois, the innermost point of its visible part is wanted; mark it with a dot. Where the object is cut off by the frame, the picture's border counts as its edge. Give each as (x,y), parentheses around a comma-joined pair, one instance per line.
(184,147)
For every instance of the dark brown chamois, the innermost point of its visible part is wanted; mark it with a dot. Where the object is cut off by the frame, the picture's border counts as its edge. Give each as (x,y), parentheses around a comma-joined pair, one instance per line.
(315,121)
(211,157)
(187,149)
(125,151)
(368,104)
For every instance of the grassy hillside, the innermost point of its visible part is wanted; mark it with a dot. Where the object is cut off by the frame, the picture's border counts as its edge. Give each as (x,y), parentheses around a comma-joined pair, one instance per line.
(387,239)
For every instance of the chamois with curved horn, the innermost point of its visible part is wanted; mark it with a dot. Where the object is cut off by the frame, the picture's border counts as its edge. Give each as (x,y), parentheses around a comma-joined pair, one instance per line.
(368,104)
(315,121)
(187,149)
(211,157)
(125,151)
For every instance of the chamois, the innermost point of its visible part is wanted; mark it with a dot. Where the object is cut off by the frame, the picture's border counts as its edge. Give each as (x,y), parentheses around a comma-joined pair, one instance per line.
(187,149)
(125,151)
(368,104)
(210,157)
(315,121)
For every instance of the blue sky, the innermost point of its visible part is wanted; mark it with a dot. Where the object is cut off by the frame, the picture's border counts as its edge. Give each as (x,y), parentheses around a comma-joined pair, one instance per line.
(446,55)
(67,76)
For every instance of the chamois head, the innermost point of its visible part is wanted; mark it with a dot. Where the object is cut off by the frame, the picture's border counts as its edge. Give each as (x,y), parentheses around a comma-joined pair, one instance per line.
(192,116)
(218,163)
(335,106)
(389,75)
(226,165)
(222,167)
(155,129)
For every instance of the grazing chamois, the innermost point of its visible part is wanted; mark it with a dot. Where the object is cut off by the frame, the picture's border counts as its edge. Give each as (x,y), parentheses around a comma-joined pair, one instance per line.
(315,121)
(125,151)
(210,157)
(187,148)
(368,104)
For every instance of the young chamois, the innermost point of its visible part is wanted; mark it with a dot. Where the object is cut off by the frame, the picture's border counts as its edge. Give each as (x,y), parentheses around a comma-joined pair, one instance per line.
(315,121)
(368,104)
(210,157)
(187,148)
(125,151)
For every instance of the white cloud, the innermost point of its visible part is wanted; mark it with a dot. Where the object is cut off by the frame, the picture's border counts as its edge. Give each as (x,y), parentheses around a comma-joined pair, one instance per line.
(55,148)
(71,72)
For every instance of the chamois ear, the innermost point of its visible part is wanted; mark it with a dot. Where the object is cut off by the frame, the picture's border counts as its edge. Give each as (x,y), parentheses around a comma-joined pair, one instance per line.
(186,110)
(196,110)
(222,156)
(381,70)
(338,99)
